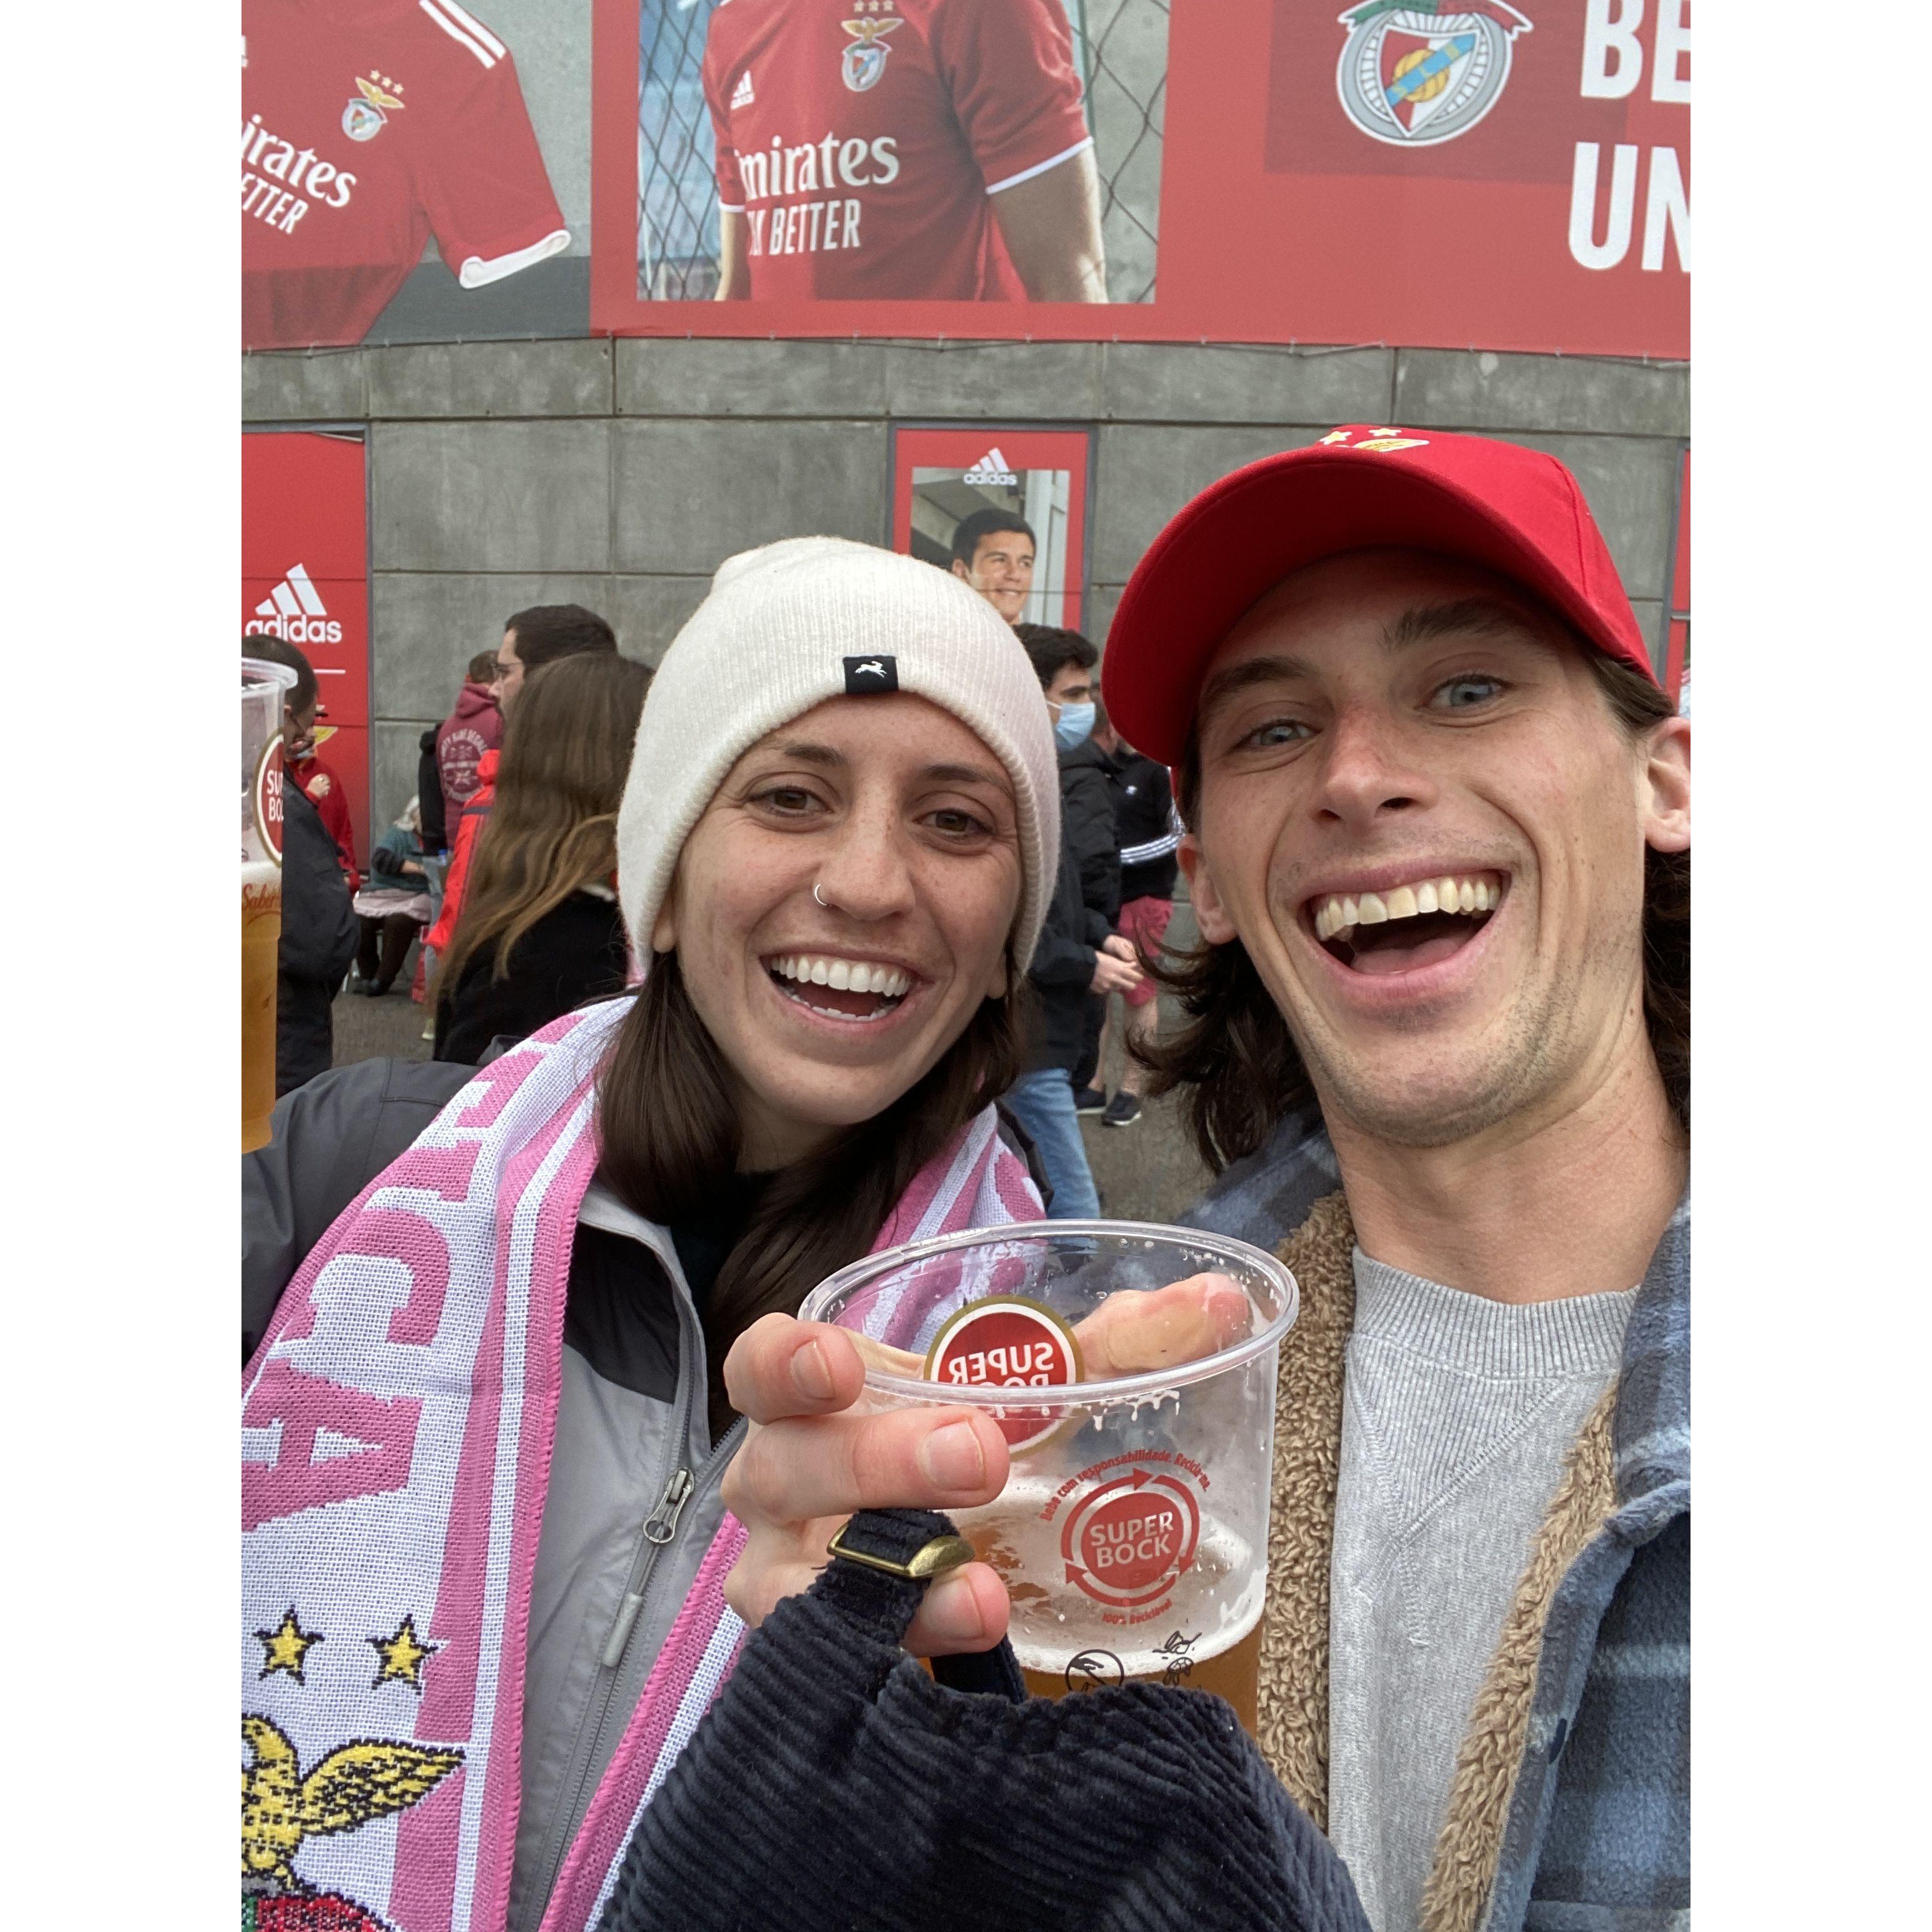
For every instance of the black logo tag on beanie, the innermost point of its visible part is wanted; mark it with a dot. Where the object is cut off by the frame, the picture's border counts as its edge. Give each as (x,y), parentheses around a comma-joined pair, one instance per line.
(864,676)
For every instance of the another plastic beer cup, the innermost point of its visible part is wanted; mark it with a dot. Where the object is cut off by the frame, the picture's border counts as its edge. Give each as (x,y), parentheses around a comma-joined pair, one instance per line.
(1131,1371)
(264,687)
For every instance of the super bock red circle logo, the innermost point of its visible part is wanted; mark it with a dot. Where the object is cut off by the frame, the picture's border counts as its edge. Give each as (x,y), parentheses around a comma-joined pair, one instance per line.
(1129,1541)
(1007,1342)
(269,797)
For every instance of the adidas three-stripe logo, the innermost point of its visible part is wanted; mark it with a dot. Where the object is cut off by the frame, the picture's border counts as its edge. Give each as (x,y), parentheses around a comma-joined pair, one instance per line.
(466,30)
(990,468)
(294,612)
(741,95)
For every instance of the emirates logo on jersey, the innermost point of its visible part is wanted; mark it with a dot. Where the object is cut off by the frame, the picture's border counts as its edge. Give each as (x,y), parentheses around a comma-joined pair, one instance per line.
(863,65)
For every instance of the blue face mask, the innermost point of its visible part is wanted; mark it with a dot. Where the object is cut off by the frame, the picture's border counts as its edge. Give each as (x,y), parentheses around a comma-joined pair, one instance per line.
(1074,725)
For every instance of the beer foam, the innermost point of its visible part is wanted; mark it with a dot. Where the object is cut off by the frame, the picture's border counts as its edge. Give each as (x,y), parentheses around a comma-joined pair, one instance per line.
(257,873)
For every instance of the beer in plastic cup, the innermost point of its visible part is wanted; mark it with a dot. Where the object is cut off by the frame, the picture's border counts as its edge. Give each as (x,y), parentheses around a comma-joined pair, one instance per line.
(264,690)
(1131,1535)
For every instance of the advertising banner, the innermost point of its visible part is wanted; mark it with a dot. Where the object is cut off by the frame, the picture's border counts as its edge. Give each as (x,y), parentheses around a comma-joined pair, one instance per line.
(1453,172)
(1005,509)
(305,578)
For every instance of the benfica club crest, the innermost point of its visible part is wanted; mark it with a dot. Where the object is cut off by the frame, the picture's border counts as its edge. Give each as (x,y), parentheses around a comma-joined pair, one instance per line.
(864,64)
(1415,72)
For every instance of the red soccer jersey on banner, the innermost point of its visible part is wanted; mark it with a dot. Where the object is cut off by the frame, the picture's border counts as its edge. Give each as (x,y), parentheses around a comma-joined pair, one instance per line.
(864,139)
(367,125)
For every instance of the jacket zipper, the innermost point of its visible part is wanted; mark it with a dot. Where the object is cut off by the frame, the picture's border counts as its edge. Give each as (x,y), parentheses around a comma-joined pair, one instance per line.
(679,1486)
(661,1527)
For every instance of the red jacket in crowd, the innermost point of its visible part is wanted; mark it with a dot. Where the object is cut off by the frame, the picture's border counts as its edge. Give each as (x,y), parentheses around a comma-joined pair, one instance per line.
(474,813)
(474,727)
(324,790)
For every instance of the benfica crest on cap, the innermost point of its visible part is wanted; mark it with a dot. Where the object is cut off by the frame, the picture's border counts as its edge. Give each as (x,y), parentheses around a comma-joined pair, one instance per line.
(1414,72)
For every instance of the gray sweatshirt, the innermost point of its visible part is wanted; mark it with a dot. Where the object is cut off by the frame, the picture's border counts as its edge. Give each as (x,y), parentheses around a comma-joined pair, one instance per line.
(1457,1413)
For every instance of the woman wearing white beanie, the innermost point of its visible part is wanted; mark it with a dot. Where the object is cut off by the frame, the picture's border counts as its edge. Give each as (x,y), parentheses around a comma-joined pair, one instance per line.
(486,1427)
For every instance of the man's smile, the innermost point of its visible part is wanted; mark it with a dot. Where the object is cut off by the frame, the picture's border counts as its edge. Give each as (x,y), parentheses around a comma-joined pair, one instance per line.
(1391,925)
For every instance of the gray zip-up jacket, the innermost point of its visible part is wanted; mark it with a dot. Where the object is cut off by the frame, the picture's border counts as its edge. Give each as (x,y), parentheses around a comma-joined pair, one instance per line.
(633,1501)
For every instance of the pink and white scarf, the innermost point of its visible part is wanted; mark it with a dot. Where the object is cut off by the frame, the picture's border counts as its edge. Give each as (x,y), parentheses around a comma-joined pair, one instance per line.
(396,1427)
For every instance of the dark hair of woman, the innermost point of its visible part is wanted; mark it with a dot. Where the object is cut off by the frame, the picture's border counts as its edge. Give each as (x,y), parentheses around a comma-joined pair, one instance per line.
(670,1145)
(552,829)
(1237,1060)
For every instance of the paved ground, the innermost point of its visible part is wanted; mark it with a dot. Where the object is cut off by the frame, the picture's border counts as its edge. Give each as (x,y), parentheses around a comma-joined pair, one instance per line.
(1146,1172)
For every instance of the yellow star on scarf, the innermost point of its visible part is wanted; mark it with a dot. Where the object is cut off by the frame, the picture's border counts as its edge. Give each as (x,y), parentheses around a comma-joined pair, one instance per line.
(285,1647)
(403,1656)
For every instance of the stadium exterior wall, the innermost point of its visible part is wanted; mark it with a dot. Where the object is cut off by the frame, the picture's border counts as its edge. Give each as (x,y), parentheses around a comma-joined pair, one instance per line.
(619,474)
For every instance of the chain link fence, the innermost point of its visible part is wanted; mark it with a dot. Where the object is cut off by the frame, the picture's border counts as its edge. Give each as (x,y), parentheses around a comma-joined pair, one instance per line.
(1121,46)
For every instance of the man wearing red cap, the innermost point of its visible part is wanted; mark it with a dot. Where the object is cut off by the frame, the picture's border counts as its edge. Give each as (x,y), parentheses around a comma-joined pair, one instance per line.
(1438,833)
(1438,849)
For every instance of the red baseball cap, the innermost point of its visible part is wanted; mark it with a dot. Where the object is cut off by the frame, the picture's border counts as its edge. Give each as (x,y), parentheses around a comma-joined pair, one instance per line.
(1514,511)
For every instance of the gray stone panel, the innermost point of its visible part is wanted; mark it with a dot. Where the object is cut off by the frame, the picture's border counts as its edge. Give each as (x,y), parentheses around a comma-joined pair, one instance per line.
(664,377)
(1163,381)
(690,494)
(1629,483)
(426,628)
(1453,389)
(1146,474)
(490,495)
(1097,615)
(650,611)
(325,385)
(490,379)
(395,746)
(997,382)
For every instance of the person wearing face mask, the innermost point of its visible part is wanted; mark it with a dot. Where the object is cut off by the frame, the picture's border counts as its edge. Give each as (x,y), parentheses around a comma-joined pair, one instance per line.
(484,1424)
(1080,959)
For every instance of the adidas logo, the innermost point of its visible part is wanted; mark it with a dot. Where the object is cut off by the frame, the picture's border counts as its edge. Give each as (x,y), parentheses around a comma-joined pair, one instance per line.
(294,612)
(741,95)
(991,468)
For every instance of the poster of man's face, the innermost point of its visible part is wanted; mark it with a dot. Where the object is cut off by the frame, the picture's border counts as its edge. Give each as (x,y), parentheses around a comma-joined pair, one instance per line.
(1004,510)
(999,150)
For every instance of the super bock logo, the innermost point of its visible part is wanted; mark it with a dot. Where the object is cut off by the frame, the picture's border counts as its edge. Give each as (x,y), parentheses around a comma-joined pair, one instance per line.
(864,63)
(1413,73)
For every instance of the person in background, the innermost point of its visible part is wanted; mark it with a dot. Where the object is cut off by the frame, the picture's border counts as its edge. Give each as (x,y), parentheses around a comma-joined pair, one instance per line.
(324,789)
(394,906)
(1063,662)
(538,636)
(1080,960)
(318,928)
(474,727)
(1149,833)
(993,552)
(429,794)
(540,931)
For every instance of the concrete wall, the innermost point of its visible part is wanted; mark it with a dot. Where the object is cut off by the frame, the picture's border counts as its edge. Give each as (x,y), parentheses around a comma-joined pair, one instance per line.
(620,474)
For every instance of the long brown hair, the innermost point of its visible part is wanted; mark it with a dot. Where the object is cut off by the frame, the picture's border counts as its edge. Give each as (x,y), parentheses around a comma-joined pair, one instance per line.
(671,1144)
(553,828)
(1238,1060)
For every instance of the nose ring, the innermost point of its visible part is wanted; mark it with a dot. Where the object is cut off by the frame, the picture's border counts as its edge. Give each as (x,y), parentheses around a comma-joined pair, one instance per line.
(818,895)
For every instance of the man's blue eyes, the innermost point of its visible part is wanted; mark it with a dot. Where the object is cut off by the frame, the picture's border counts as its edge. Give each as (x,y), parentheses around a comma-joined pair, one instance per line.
(1461,692)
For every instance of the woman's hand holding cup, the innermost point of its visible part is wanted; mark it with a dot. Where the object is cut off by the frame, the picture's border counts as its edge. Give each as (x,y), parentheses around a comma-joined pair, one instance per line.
(808,1464)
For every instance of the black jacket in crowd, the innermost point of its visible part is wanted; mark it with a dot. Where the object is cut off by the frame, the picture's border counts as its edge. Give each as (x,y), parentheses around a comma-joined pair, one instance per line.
(576,952)
(429,795)
(318,943)
(1063,969)
(1144,824)
(1086,827)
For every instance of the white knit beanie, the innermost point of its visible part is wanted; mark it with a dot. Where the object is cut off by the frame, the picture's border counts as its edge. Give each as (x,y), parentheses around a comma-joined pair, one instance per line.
(792,624)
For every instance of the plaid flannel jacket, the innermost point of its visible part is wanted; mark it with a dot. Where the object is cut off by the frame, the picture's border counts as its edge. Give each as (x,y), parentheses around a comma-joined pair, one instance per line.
(1597,1837)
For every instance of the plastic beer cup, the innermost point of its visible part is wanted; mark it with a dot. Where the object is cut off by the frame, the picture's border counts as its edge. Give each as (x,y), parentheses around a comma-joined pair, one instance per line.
(264,689)
(1131,1535)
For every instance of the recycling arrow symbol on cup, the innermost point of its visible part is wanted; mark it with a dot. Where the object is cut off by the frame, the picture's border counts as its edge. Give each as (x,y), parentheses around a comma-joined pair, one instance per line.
(1129,1540)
